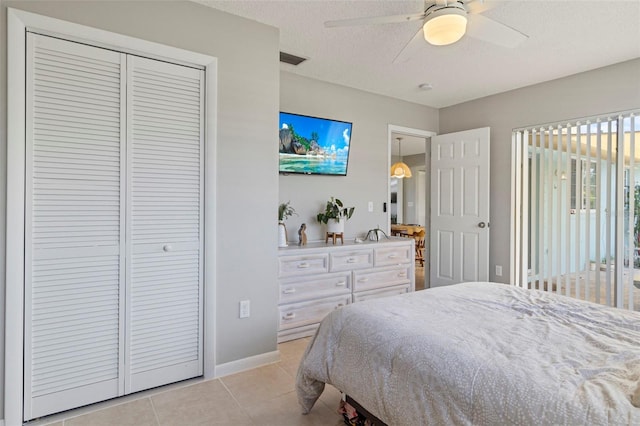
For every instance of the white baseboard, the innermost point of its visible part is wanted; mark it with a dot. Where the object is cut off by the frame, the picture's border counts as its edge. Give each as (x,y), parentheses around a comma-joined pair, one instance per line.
(246,363)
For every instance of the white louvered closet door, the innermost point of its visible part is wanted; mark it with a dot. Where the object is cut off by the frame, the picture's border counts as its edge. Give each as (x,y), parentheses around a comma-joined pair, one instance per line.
(164,235)
(74,233)
(113,224)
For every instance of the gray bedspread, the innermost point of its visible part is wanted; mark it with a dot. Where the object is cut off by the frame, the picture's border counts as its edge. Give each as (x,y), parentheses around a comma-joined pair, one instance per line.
(481,354)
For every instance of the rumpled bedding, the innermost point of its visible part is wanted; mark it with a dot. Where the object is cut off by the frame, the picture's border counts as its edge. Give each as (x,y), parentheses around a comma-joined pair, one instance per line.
(482,354)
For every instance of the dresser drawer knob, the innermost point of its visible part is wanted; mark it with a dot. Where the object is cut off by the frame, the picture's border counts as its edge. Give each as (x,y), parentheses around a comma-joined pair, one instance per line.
(402,274)
(363,280)
(289,290)
(303,265)
(352,260)
(341,283)
(289,316)
(340,305)
(392,256)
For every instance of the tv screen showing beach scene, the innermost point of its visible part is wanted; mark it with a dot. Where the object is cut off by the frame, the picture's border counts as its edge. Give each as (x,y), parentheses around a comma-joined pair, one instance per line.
(313,146)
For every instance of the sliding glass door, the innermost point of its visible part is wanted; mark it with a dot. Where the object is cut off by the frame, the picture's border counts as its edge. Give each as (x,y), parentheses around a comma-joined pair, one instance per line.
(577,209)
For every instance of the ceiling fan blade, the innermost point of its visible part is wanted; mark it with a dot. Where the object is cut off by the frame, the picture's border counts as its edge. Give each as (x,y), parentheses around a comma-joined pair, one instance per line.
(479,6)
(391,19)
(494,32)
(407,52)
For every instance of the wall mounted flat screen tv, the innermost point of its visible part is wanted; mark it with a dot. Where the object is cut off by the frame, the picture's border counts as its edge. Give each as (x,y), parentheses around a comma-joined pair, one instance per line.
(313,146)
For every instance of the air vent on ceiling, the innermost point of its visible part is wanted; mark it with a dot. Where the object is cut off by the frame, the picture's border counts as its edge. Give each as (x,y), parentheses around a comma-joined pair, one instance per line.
(288,58)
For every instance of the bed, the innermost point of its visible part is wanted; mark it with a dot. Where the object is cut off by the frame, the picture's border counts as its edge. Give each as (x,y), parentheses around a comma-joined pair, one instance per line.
(481,354)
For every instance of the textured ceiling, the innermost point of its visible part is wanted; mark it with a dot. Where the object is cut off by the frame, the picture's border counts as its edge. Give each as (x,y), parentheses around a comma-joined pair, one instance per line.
(565,37)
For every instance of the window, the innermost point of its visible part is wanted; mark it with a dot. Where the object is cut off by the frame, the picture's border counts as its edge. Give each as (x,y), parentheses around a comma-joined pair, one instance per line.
(583,185)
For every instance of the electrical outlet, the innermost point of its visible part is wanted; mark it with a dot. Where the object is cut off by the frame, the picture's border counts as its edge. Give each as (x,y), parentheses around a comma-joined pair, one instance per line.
(498,270)
(245,309)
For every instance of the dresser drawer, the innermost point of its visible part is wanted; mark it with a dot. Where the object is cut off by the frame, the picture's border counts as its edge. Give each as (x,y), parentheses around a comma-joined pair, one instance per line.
(348,260)
(305,313)
(387,256)
(383,292)
(315,288)
(297,333)
(289,266)
(376,278)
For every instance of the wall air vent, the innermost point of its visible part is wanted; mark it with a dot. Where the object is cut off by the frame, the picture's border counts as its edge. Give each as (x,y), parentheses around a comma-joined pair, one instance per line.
(288,58)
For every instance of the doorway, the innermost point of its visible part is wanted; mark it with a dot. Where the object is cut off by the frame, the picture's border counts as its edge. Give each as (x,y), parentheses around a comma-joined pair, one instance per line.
(408,198)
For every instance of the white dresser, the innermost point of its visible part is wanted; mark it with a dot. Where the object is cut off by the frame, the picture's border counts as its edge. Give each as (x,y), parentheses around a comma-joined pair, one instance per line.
(317,278)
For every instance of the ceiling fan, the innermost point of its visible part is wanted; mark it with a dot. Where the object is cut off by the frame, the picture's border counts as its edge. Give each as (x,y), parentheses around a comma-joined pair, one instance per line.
(447,21)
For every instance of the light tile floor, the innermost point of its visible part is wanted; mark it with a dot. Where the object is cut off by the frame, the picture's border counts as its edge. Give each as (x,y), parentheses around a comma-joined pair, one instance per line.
(262,396)
(420,281)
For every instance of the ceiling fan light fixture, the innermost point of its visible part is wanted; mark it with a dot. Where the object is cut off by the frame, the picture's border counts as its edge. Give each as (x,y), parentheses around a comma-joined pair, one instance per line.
(445,25)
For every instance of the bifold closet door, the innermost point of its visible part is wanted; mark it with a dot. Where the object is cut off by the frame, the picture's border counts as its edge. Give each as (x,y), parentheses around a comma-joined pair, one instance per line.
(164,230)
(74,226)
(113,224)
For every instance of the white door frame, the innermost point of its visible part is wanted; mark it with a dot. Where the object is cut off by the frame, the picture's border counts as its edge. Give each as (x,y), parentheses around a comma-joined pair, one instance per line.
(427,134)
(18,22)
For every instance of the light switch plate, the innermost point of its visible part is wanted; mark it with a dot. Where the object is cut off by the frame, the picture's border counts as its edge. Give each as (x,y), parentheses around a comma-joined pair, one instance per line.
(245,309)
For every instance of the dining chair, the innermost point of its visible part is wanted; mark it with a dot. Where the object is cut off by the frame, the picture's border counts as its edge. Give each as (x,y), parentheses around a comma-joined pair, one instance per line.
(420,246)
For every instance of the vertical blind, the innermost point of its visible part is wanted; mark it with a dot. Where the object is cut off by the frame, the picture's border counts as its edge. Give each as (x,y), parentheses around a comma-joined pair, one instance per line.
(576,205)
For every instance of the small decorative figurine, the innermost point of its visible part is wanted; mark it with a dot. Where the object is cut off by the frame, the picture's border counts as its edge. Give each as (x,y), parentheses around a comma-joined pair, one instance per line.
(302,236)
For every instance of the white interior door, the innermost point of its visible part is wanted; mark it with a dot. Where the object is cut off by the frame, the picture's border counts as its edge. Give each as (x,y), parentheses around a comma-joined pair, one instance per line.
(113,224)
(164,232)
(459,242)
(74,236)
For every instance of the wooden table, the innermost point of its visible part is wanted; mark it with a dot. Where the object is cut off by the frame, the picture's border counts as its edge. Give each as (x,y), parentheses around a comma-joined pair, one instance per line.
(411,231)
(402,229)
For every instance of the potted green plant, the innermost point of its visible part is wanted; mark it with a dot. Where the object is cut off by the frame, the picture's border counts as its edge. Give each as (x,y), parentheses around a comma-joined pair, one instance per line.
(285,210)
(334,215)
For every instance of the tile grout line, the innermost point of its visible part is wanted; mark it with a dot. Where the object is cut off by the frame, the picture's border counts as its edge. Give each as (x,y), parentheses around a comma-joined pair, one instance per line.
(235,399)
(155,413)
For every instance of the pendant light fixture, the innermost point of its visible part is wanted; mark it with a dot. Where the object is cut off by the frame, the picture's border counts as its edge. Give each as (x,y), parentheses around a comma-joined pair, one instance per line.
(400,170)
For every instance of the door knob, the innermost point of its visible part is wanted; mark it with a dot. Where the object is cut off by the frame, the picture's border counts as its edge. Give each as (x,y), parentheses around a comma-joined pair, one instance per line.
(482,225)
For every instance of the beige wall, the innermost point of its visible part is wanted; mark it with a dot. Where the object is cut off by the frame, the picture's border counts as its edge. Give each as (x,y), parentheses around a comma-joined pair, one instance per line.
(610,89)
(368,173)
